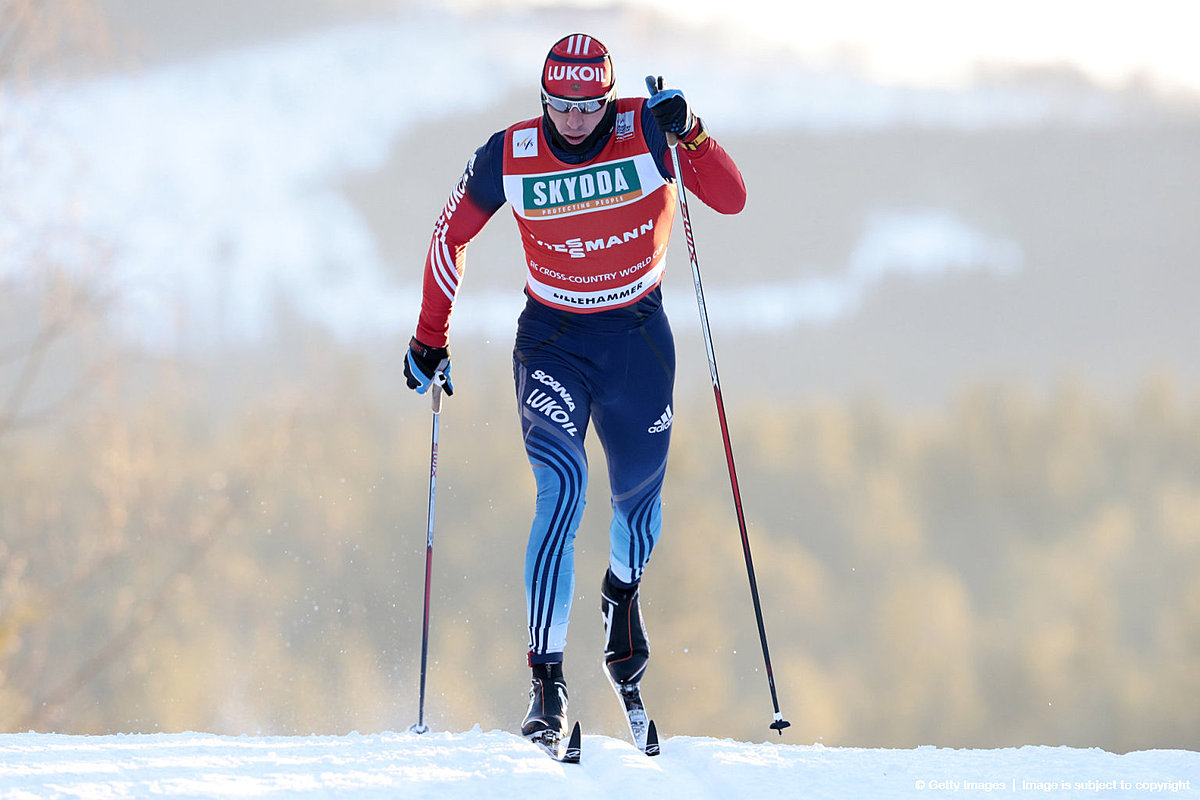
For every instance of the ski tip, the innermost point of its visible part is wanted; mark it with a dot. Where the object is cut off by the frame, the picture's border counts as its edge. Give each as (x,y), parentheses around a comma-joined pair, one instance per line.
(652,748)
(574,750)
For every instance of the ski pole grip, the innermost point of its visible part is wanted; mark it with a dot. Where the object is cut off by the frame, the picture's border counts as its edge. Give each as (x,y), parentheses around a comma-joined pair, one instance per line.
(435,389)
(654,86)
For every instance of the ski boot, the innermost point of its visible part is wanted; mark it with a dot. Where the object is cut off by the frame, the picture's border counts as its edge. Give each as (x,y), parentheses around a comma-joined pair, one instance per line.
(626,650)
(546,721)
(626,654)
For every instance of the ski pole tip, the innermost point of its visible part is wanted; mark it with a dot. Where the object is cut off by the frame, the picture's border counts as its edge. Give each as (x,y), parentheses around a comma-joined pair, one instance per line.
(779,724)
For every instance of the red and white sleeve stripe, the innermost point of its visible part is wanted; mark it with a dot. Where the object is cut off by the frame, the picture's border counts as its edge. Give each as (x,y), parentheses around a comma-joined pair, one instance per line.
(459,223)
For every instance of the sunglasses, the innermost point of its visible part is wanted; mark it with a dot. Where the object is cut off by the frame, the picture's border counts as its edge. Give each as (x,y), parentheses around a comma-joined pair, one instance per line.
(582,106)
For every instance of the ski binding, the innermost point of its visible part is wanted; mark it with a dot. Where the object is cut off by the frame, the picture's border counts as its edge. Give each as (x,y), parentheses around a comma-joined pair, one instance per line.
(552,744)
(641,727)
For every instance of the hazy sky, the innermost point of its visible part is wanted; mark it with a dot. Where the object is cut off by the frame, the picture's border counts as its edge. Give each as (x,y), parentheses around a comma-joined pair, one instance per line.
(936,41)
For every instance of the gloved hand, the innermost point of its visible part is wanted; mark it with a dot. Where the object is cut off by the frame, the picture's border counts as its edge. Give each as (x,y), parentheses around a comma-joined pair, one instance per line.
(669,107)
(424,364)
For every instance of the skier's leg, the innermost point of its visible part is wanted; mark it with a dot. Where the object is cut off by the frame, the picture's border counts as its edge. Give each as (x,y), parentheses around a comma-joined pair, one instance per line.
(633,421)
(554,418)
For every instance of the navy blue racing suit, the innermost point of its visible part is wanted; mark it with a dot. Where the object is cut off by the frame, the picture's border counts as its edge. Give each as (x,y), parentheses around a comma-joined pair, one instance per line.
(569,369)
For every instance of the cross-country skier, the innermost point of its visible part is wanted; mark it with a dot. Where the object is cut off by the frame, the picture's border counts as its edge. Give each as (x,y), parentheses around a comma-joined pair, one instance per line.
(592,188)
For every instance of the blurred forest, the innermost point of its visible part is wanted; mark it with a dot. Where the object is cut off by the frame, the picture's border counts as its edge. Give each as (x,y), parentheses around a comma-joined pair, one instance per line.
(233,541)
(237,546)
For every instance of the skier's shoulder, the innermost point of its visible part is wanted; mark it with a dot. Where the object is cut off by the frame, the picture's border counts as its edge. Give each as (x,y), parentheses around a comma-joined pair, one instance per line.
(532,122)
(523,138)
(491,151)
(483,178)
(630,103)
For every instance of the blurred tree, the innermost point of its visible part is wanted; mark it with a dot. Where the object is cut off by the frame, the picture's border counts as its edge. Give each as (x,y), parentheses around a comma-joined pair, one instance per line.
(50,39)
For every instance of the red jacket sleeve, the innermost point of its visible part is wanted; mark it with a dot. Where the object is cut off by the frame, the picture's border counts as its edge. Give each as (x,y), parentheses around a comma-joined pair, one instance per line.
(461,220)
(710,174)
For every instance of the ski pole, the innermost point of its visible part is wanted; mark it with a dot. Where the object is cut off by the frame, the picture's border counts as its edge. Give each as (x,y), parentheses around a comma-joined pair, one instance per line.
(435,391)
(779,722)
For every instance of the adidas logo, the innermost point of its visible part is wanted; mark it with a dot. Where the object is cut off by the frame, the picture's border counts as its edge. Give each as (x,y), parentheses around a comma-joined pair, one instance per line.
(664,422)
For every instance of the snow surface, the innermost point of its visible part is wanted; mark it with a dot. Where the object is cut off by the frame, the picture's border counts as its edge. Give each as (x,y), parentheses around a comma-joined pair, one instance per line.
(496,764)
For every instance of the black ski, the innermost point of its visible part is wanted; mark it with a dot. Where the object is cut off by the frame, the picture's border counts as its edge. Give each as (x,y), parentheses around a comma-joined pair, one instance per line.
(652,740)
(641,727)
(574,749)
(552,745)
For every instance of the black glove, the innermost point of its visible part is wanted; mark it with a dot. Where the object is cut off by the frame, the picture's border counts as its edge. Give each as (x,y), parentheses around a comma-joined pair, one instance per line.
(669,107)
(424,364)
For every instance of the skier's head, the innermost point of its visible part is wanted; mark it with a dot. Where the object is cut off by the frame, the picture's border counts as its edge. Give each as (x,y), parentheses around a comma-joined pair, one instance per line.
(578,68)
(578,86)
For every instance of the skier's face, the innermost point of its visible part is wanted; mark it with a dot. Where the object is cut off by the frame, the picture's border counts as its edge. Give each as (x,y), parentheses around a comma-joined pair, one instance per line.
(574,125)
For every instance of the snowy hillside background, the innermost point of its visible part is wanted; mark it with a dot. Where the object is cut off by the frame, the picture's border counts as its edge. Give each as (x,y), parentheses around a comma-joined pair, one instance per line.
(242,164)
(956,331)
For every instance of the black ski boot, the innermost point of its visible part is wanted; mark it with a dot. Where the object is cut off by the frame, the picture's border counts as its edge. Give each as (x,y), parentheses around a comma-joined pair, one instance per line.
(626,650)
(546,721)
